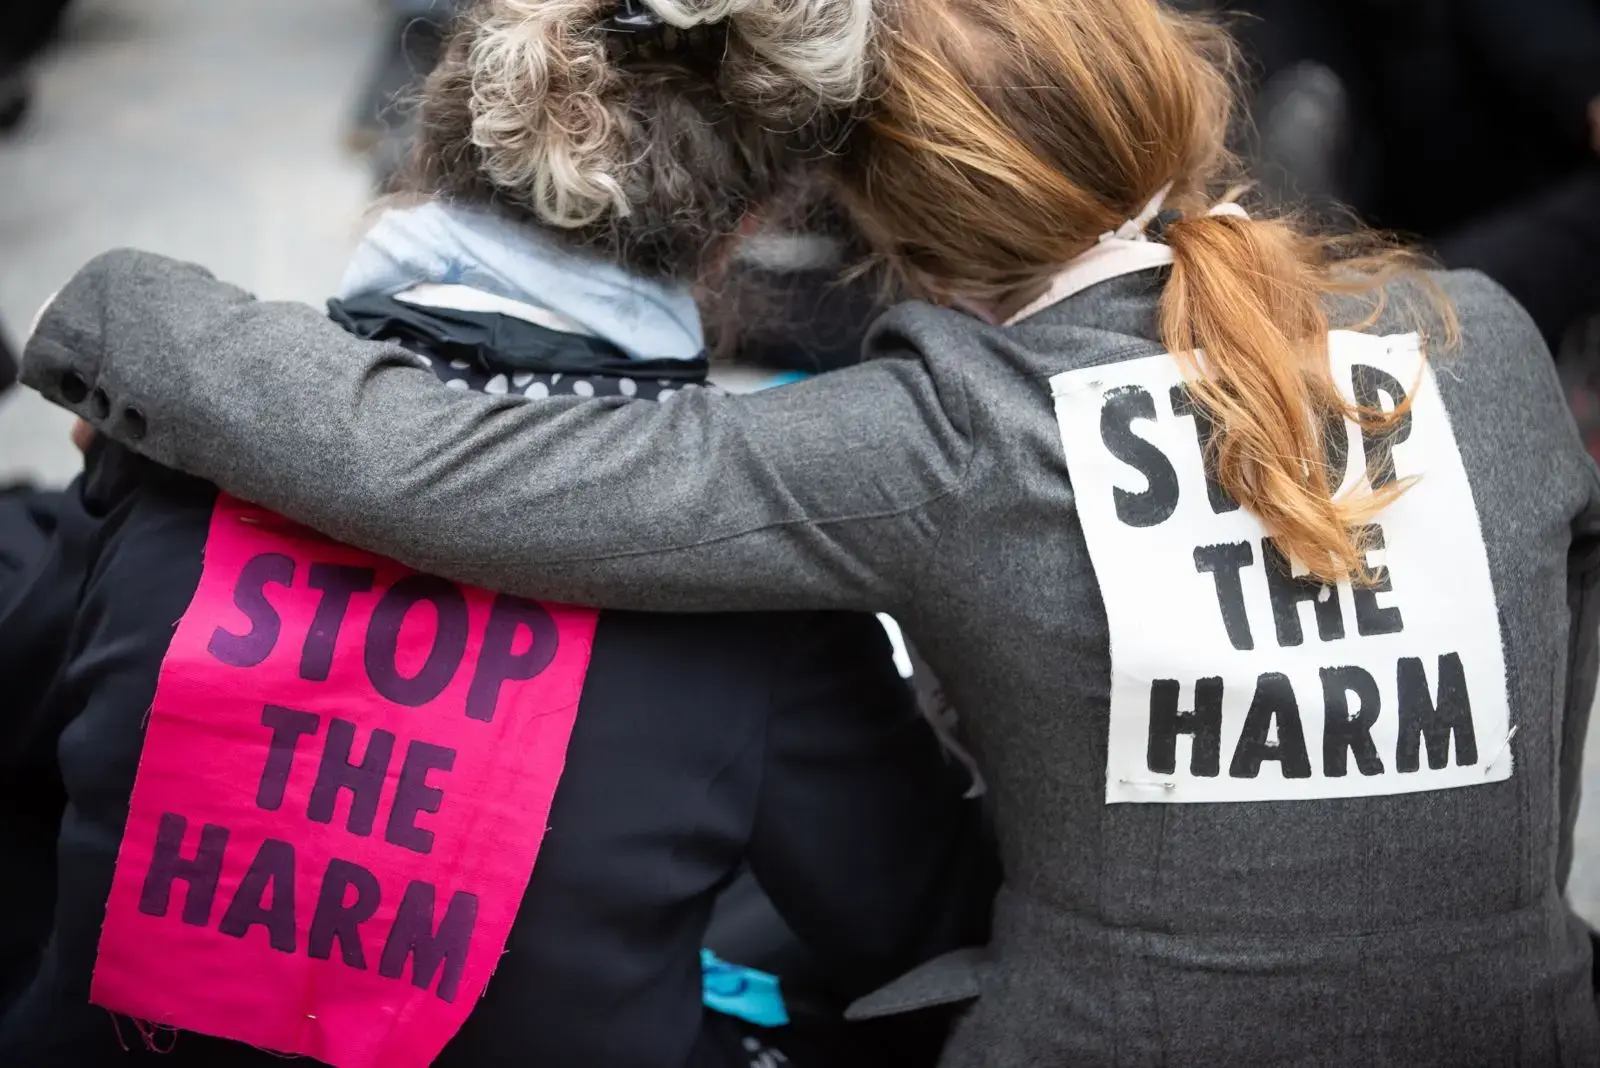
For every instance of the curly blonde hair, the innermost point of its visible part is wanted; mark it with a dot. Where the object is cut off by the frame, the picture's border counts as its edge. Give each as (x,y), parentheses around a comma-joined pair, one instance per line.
(643,160)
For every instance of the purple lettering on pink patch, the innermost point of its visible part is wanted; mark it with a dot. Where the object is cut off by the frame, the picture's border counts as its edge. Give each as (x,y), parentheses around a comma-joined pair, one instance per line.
(345,782)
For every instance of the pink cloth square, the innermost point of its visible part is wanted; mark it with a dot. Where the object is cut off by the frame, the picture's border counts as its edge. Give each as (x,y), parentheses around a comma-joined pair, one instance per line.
(346,778)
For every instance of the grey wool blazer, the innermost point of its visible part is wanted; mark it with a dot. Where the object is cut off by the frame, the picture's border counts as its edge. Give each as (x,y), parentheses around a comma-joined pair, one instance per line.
(1245,818)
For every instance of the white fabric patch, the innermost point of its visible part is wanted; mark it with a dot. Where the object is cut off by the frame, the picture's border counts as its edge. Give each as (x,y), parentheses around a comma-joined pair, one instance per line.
(466,298)
(1234,679)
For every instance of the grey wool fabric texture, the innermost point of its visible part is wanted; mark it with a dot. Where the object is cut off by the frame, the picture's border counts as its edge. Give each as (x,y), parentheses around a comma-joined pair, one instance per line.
(1410,929)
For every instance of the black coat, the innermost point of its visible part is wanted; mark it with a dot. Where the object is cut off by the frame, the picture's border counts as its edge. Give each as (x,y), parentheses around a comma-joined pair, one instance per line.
(1463,106)
(703,744)
(8,363)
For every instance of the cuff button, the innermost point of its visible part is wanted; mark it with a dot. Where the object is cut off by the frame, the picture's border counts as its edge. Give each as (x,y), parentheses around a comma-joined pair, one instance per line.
(134,426)
(99,405)
(73,388)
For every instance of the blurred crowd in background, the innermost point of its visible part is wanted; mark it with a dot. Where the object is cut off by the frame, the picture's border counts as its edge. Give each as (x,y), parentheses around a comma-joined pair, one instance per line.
(1471,126)
(26,27)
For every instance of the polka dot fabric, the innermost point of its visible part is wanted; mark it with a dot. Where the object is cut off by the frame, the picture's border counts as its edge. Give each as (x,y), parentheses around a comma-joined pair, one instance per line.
(467,376)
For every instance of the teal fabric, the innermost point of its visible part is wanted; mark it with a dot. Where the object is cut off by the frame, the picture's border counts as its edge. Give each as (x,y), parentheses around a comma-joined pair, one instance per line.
(743,993)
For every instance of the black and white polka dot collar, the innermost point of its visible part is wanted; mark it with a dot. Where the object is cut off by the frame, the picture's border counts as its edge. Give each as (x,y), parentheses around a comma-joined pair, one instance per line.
(535,385)
(502,356)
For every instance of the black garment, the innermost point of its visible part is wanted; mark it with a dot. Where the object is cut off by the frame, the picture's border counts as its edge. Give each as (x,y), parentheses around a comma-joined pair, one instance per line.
(702,744)
(1478,104)
(8,363)
(500,344)
(1542,54)
(1545,250)
(1480,116)
(26,26)
(893,1043)
(1463,105)
(1468,129)
(27,523)
(36,584)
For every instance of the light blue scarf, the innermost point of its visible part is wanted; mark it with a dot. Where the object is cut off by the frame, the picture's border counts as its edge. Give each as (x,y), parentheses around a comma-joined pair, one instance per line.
(443,244)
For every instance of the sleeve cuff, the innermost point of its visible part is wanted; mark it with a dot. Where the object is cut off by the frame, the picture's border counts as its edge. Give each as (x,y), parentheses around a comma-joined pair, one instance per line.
(64,358)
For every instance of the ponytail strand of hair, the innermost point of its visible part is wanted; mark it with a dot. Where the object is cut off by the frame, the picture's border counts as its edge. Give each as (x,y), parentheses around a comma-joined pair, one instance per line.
(1244,313)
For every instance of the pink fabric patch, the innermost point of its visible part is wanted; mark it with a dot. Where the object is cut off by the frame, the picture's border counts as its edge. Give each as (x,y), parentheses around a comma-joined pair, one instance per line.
(346,779)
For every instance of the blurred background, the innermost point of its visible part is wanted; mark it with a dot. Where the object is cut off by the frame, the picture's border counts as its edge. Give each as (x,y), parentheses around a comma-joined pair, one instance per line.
(251,135)
(212,131)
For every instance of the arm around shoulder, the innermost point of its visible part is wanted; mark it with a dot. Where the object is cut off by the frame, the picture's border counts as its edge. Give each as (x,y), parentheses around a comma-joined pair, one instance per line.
(813,495)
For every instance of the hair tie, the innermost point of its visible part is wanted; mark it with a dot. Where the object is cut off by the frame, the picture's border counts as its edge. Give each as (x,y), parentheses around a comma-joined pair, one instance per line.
(1157,230)
(1134,228)
(1152,223)
(635,31)
(633,17)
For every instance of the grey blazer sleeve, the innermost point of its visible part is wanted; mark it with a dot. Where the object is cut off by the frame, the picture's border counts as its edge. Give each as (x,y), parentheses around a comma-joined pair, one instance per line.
(817,495)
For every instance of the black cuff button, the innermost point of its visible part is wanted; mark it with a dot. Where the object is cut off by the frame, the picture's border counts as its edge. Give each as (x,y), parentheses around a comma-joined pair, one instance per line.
(134,426)
(73,387)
